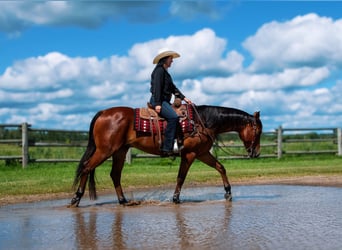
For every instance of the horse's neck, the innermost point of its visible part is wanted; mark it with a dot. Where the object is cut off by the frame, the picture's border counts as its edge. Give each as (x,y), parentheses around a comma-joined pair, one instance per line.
(229,127)
(227,120)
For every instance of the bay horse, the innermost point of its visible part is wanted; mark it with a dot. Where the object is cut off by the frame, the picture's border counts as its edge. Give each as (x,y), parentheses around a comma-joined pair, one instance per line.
(112,133)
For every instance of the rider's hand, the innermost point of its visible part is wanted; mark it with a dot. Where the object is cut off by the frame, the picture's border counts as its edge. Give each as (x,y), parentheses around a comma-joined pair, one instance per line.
(188,101)
(158,108)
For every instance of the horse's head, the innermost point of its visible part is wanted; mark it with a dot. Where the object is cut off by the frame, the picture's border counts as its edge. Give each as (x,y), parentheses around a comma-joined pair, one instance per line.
(250,135)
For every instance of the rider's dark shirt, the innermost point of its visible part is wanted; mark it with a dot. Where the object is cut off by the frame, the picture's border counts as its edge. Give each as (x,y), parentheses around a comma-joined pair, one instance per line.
(162,86)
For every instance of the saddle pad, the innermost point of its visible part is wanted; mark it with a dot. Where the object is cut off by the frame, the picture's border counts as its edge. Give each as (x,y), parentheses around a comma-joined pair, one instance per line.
(148,124)
(142,124)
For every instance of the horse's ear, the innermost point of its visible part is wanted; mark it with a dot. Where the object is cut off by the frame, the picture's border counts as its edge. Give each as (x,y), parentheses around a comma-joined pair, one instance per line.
(257,115)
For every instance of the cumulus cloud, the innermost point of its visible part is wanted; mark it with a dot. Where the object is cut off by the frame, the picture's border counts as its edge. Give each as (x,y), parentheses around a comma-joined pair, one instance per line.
(298,108)
(107,90)
(16,16)
(289,80)
(308,40)
(115,75)
(57,78)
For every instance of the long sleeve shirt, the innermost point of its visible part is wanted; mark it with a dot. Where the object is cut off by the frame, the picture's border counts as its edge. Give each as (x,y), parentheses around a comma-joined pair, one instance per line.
(162,86)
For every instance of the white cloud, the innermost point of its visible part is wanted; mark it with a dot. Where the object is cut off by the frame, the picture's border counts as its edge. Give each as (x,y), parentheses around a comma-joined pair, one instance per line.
(117,75)
(55,70)
(107,90)
(16,16)
(308,40)
(290,79)
(40,72)
(202,53)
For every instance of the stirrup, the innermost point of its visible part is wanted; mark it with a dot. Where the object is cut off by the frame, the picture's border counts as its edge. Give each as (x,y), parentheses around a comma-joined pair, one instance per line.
(176,148)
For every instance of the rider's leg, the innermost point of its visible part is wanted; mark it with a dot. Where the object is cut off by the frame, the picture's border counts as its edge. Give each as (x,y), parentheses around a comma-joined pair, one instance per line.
(170,132)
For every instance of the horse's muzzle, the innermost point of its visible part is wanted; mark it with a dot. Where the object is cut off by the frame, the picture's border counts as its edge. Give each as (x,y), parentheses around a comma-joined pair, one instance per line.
(253,153)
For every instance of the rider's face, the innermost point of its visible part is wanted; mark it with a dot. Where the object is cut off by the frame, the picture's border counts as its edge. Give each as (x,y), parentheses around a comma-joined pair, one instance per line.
(168,62)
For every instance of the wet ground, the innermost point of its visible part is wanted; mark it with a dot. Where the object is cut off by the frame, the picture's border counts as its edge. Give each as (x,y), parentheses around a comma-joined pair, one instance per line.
(259,217)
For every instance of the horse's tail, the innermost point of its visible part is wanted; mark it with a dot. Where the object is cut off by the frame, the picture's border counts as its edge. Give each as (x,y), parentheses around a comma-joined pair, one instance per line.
(91,147)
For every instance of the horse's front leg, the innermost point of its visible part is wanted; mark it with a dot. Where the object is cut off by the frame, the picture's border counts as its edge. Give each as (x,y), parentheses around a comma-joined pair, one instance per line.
(211,161)
(186,161)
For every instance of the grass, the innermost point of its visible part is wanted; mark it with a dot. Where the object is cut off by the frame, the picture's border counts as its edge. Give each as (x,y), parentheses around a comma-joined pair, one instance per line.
(43,178)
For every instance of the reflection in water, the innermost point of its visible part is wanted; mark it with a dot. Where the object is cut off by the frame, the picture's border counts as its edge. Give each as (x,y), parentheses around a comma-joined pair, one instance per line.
(85,230)
(117,232)
(203,229)
(93,230)
(260,217)
(178,226)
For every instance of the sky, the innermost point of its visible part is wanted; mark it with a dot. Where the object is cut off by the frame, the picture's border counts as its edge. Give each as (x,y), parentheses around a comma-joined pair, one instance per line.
(62,61)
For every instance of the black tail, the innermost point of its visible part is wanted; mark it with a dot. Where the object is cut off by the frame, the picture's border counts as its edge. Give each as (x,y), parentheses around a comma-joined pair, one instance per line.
(91,147)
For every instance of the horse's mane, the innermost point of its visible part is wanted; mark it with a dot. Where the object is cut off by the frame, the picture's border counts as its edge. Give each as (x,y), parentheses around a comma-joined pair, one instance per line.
(214,116)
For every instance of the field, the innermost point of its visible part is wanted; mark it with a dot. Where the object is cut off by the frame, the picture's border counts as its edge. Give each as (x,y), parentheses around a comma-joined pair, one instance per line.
(43,180)
(47,180)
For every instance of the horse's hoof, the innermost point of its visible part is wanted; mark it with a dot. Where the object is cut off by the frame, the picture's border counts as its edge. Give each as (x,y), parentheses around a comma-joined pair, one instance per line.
(72,206)
(228,196)
(176,200)
(132,203)
(74,202)
(123,201)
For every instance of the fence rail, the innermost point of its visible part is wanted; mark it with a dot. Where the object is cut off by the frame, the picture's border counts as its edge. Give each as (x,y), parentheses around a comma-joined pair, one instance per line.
(274,144)
(333,136)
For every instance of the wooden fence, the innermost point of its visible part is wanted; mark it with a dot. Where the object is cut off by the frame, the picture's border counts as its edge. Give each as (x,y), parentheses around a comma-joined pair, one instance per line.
(332,136)
(273,144)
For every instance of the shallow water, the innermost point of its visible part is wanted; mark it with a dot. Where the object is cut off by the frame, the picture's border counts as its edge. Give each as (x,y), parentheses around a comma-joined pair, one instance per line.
(259,217)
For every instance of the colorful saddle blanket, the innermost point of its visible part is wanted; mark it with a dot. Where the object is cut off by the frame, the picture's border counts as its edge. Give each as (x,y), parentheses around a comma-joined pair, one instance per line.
(146,120)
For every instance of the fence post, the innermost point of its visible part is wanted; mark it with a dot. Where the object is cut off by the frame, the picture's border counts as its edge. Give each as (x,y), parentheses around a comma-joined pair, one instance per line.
(129,156)
(24,144)
(339,141)
(280,142)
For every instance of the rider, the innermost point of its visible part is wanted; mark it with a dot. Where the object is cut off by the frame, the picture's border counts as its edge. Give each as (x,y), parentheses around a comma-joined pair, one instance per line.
(162,88)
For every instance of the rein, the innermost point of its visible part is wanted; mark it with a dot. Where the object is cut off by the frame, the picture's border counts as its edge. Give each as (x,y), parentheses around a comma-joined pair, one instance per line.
(224,147)
(249,149)
(201,122)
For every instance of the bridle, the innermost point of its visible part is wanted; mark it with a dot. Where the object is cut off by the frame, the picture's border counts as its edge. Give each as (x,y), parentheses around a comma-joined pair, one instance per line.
(250,149)
(223,147)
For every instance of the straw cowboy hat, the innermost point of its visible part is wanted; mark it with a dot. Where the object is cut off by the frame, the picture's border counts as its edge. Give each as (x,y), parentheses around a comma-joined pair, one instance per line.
(165,54)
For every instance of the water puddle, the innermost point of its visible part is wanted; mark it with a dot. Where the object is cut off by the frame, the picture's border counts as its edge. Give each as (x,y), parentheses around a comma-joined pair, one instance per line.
(259,217)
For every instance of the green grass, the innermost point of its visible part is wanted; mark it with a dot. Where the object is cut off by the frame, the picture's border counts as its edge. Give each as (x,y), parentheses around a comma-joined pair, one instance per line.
(43,178)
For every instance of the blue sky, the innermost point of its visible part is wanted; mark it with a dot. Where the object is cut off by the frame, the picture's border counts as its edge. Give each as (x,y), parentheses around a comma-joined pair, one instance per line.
(61,62)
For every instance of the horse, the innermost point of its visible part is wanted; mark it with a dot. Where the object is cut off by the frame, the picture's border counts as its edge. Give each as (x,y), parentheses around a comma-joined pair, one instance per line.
(112,133)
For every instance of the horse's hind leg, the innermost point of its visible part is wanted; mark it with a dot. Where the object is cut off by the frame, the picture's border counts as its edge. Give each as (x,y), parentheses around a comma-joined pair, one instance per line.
(118,161)
(96,159)
(211,161)
(75,201)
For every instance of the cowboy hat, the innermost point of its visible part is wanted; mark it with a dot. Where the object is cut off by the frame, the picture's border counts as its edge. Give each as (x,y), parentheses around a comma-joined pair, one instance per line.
(165,54)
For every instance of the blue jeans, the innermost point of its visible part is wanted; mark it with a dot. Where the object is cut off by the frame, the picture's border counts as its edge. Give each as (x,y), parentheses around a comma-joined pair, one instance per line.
(172,119)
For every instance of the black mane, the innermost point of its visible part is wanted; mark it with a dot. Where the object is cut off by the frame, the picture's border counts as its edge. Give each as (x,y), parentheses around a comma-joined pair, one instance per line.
(215,117)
